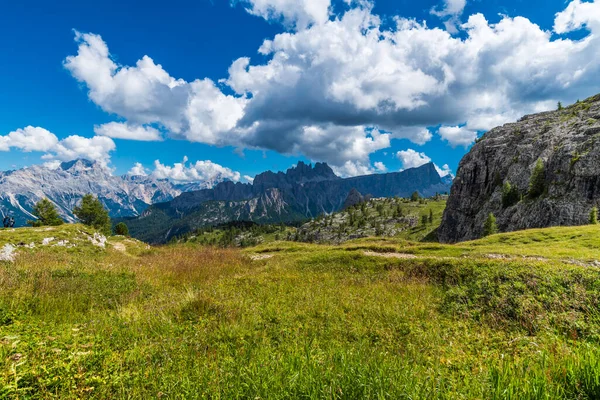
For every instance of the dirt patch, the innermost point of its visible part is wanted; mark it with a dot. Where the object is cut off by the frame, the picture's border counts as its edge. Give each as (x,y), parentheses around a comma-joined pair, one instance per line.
(119,247)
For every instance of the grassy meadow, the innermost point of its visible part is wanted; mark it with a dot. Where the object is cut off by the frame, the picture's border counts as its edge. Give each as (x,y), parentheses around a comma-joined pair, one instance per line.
(512,316)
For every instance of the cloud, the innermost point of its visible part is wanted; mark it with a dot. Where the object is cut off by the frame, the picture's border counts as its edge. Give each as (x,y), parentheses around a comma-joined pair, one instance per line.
(353,168)
(249,179)
(97,148)
(444,170)
(31,138)
(458,136)
(413,159)
(576,16)
(450,12)
(201,171)
(118,130)
(146,94)
(345,86)
(138,170)
(380,167)
(293,13)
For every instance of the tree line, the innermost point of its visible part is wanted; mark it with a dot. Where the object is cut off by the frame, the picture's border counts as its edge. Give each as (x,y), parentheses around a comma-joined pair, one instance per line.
(90,212)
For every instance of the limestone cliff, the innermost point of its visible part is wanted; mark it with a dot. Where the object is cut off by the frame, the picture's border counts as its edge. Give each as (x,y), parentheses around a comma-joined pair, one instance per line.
(567,143)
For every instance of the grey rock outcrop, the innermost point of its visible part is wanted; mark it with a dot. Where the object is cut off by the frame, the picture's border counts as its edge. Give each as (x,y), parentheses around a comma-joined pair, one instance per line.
(567,141)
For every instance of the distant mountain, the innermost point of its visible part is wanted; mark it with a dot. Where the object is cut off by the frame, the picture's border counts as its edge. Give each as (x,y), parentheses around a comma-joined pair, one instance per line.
(123,196)
(301,193)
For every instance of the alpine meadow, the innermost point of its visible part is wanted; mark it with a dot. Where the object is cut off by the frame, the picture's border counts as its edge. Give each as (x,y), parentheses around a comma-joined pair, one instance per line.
(300,199)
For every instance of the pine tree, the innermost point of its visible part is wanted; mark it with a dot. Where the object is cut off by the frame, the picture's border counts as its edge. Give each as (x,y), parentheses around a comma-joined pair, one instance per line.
(537,183)
(91,212)
(560,106)
(121,229)
(415,197)
(510,195)
(594,216)
(46,213)
(490,227)
(430,216)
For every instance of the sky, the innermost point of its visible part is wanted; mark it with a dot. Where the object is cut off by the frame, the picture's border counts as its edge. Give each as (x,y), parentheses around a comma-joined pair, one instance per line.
(193,90)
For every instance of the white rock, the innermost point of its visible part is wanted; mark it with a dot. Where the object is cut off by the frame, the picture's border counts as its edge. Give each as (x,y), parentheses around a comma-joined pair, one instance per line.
(98,240)
(8,253)
(47,241)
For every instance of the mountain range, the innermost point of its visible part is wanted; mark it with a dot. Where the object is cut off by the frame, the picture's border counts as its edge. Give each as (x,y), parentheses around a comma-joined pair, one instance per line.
(123,196)
(301,193)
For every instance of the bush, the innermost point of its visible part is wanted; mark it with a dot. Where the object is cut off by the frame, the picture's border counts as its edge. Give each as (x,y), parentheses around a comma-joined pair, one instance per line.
(537,183)
(92,213)
(510,195)
(121,229)
(490,227)
(46,213)
(415,196)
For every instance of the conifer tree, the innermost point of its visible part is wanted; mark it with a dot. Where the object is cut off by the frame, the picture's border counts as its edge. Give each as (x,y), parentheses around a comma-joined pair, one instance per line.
(490,227)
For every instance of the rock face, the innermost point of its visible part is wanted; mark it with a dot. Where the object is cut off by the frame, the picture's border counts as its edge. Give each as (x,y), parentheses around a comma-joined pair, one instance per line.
(301,193)
(567,141)
(65,186)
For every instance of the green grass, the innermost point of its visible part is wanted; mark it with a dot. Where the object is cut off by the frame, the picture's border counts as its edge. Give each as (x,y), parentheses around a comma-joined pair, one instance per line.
(311,321)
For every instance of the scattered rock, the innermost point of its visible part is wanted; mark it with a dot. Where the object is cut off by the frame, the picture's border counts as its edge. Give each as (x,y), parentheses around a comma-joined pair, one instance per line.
(47,241)
(8,253)
(98,240)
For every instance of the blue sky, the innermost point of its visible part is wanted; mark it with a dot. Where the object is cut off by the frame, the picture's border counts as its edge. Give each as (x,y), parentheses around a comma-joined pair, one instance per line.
(405,83)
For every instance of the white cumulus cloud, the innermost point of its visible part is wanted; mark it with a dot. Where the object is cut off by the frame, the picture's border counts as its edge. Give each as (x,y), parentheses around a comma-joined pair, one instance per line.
(413,159)
(118,130)
(293,13)
(458,136)
(200,171)
(138,170)
(70,148)
(29,139)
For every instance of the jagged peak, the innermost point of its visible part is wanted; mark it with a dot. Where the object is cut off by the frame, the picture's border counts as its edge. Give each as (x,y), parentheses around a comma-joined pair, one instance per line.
(78,164)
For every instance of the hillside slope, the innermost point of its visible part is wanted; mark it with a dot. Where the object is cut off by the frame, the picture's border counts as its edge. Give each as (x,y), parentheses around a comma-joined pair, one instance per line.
(567,143)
